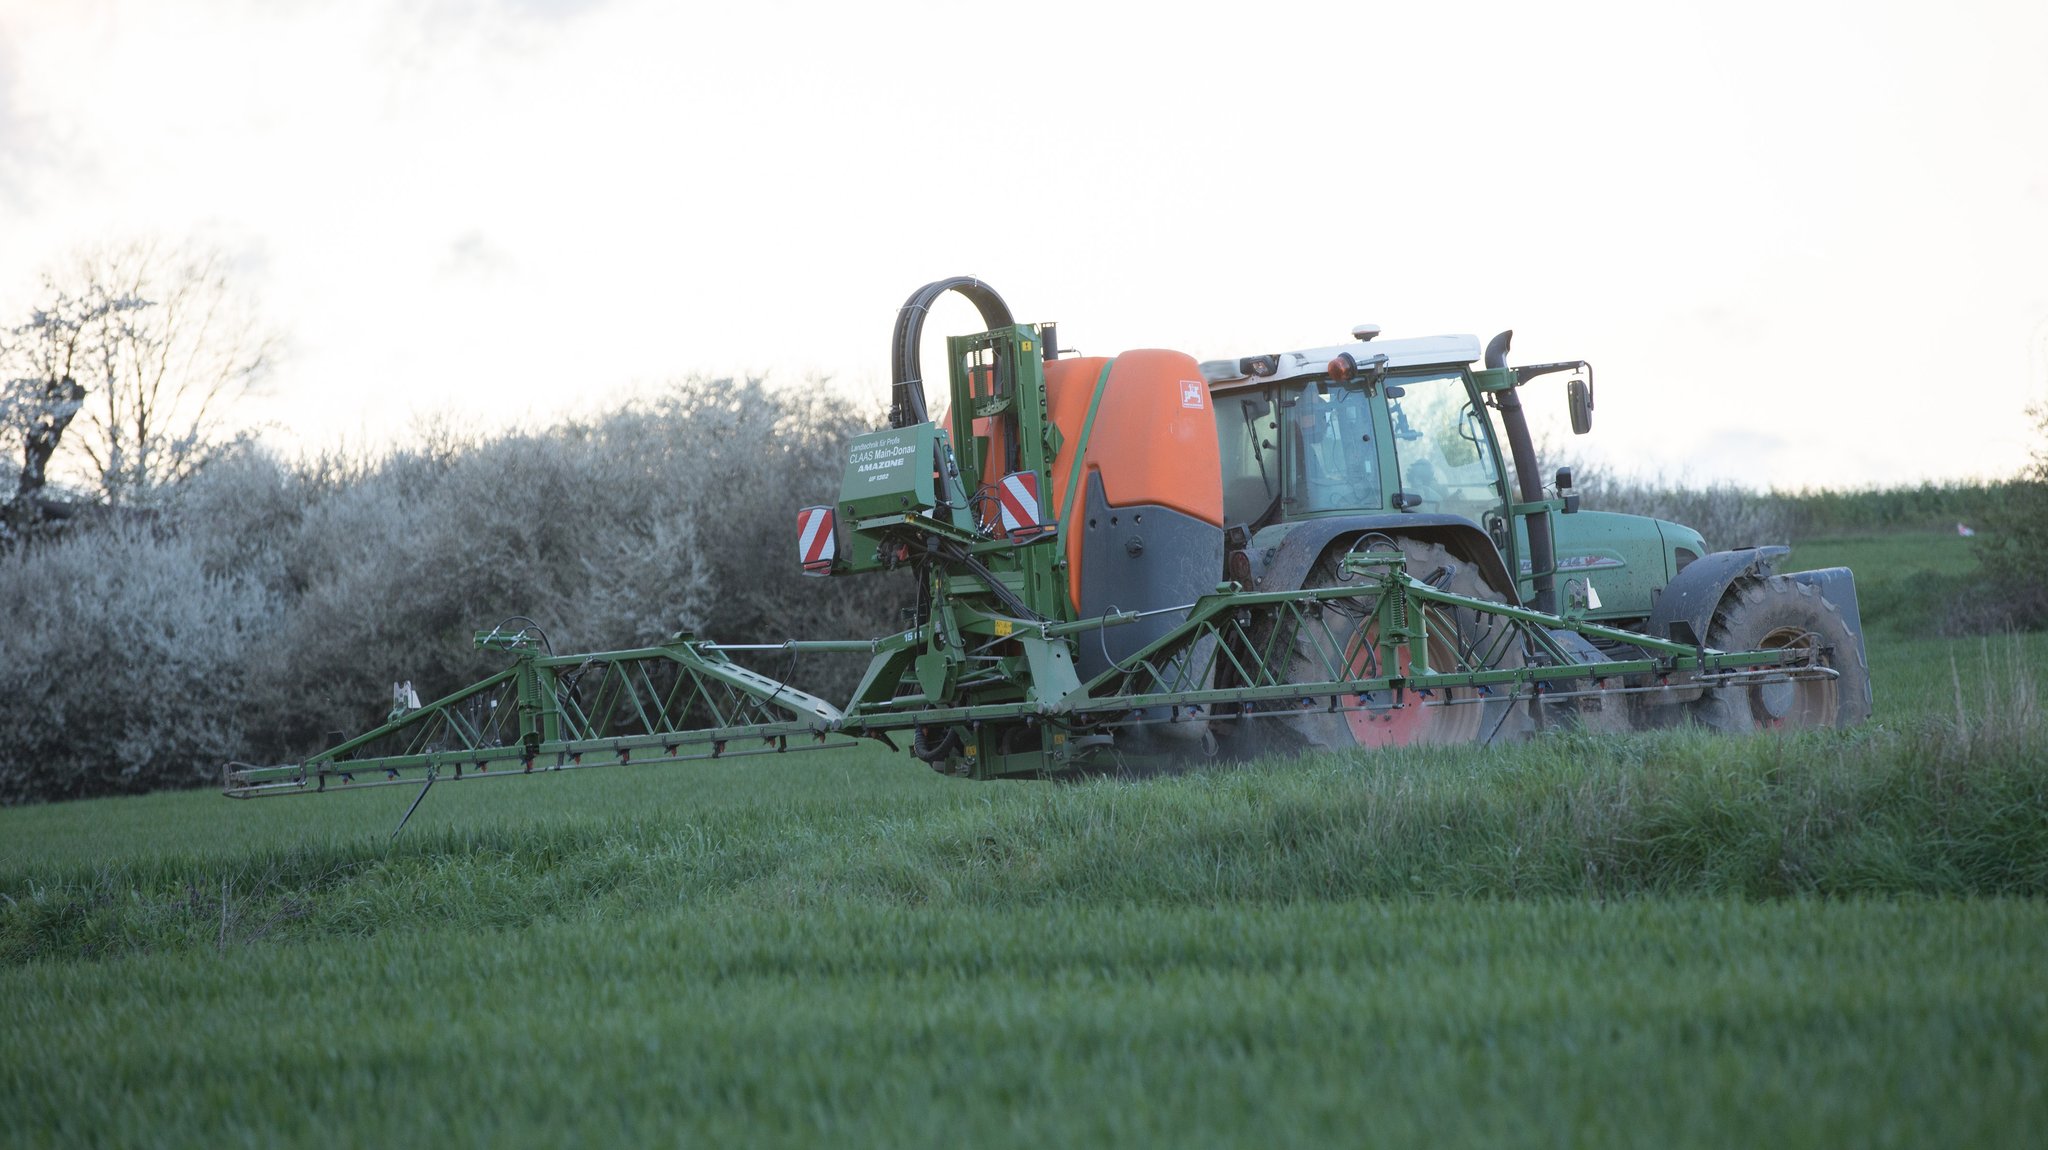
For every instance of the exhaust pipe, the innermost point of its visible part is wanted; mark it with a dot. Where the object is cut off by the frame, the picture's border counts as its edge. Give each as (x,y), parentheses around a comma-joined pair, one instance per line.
(1542,551)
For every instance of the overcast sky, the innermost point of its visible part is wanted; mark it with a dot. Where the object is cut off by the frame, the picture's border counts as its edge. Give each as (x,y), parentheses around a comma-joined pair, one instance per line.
(1802,243)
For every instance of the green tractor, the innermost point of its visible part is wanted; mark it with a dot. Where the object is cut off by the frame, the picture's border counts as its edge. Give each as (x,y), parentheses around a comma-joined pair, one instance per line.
(1403,440)
(1127,561)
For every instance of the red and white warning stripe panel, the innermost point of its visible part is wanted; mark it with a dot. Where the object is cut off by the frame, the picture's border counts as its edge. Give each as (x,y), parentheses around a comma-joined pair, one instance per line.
(1017,496)
(815,546)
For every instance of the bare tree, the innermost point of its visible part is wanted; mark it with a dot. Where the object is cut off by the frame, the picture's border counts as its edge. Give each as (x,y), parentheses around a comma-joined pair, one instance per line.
(139,353)
(69,337)
(177,366)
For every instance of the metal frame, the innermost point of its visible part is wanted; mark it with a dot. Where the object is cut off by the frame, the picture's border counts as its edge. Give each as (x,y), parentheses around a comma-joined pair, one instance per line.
(686,700)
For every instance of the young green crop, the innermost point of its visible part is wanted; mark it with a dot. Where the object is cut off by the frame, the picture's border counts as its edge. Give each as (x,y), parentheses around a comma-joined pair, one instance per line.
(1442,1023)
(1922,808)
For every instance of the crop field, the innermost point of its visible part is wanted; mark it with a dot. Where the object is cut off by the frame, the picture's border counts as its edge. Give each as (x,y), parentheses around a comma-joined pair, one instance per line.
(1647,940)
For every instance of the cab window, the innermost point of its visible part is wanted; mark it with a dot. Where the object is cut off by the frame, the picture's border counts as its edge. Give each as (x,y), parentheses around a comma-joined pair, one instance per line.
(1332,461)
(1245,431)
(1442,446)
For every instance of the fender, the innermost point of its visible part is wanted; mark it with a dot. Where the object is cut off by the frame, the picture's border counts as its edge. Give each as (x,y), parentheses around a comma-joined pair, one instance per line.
(1685,608)
(1282,566)
(1838,586)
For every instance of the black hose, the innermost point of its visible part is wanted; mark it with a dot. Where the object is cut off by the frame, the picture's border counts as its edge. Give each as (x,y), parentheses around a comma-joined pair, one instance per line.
(906,399)
(1008,598)
(906,394)
(932,753)
(528,625)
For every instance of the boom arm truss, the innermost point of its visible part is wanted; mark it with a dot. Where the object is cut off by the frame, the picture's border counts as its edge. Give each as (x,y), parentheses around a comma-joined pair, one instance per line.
(687,700)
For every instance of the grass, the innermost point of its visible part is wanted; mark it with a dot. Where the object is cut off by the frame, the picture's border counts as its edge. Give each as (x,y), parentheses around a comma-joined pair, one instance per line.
(1655,939)
(1907,584)
(1383,1023)
(1865,813)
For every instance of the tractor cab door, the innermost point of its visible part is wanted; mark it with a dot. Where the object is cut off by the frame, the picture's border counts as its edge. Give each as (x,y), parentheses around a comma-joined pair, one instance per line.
(1445,451)
(1330,445)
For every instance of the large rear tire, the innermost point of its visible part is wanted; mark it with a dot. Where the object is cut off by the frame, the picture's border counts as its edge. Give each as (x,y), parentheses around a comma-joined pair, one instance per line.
(1456,636)
(1776,613)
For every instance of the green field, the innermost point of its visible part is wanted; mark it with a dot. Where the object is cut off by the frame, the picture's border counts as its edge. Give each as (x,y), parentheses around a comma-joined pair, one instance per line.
(1658,939)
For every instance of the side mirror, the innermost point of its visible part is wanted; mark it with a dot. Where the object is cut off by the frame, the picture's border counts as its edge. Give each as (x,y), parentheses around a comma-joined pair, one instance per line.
(1581,397)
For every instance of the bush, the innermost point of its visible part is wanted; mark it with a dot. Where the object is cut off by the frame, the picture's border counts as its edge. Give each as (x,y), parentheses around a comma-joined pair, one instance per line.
(1731,516)
(1927,507)
(299,593)
(674,515)
(2012,545)
(1726,515)
(123,665)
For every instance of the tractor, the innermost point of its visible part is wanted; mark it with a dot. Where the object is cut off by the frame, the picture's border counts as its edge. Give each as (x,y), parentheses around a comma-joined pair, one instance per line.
(1123,563)
(1403,440)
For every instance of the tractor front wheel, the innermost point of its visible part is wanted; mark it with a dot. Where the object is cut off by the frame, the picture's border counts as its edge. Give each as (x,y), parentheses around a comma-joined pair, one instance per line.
(1775,614)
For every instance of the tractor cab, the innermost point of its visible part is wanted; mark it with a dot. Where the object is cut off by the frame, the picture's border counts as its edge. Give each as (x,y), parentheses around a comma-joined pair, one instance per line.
(1398,430)
(1414,436)
(1389,428)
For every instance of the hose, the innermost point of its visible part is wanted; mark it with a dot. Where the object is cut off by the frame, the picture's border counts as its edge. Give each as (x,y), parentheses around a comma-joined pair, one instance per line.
(906,399)
(932,753)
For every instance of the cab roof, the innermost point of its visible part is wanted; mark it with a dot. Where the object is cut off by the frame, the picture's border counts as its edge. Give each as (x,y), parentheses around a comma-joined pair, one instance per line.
(1425,351)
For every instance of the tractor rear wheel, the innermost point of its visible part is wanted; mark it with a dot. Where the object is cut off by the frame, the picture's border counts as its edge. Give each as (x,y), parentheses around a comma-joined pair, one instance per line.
(1774,614)
(1458,637)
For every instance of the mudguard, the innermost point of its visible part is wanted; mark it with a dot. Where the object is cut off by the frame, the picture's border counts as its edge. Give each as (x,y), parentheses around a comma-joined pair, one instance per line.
(1282,566)
(1685,608)
(1838,586)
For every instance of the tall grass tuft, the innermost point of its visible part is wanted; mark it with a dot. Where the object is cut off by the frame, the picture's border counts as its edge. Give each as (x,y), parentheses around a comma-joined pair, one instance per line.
(2007,713)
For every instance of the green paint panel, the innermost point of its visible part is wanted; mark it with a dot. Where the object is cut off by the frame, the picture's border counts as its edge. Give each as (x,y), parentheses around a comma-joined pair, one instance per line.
(889,472)
(1494,379)
(1622,555)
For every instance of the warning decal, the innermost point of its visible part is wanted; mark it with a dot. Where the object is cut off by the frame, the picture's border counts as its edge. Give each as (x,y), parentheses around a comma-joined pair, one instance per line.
(1017,496)
(815,545)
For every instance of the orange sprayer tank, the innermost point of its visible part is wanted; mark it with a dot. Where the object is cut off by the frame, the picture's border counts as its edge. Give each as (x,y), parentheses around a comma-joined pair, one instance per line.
(1148,529)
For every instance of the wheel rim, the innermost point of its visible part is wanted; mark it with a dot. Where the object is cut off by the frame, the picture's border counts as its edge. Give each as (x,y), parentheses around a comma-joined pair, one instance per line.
(1419,718)
(1799,703)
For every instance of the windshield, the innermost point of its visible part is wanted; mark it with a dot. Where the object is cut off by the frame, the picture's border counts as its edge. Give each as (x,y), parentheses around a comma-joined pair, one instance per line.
(1441,443)
(1332,462)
